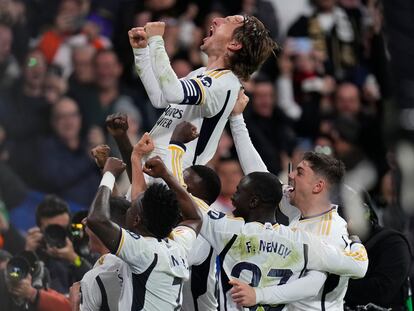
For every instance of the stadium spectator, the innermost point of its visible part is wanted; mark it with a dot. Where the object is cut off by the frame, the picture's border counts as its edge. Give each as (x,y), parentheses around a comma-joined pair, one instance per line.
(269,127)
(9,67)
(230,174)
(386,283)
(64,264)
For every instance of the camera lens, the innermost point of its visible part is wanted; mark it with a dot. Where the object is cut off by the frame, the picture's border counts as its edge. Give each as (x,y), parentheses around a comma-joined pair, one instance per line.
(55,236)
(17,269)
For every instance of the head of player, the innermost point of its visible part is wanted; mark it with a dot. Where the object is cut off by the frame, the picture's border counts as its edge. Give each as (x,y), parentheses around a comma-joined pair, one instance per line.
(241,42)
(202,182)
(314,180)
(257,197)
(154,213)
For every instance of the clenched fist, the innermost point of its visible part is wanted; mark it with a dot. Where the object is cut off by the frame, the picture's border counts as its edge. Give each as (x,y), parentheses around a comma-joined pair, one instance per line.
(138,38)
(155,29)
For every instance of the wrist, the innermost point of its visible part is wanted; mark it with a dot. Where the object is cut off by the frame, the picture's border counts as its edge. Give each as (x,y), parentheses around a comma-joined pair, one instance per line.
(178,143)
(108,180)
(155,38)
(140,51)
(235,117)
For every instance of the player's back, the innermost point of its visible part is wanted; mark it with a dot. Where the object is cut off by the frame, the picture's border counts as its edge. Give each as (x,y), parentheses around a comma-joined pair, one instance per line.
(331,228)
(108,285)
(159,267)
(255,253)
(210,96)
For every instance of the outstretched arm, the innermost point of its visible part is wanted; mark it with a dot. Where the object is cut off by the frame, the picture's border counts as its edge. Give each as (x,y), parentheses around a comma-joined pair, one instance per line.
(117,126)
(191,215)
(143,147)
(99,214)
(249,158)
(138,41)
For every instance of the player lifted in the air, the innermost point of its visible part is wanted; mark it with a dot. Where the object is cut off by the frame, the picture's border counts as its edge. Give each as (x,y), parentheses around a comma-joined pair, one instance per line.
(236,46)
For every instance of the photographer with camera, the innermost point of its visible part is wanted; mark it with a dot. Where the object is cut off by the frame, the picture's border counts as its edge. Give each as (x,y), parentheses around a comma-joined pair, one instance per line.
(23,285)
(51,240)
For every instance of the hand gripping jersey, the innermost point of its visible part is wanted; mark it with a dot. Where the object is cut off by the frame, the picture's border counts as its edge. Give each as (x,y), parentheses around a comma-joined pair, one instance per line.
(205,98)
(158,266)
(108,286)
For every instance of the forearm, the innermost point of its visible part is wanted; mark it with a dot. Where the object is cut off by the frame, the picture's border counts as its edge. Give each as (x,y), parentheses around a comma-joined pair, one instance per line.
(99,214)
(174,160)
(286,100)
(125,148)
(189,209)
(138,181)
(249,158)
(148,78)
(297,290)
(170,85)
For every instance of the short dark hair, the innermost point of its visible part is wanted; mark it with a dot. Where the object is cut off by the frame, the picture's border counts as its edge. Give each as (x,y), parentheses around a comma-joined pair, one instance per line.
(267,187)
(333,170)
(160,210)
(51,206)
(257,46)
(211,183)
(118,207)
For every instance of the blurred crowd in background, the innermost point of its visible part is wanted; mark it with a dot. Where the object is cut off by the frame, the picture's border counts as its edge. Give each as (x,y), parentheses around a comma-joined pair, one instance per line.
(66,65)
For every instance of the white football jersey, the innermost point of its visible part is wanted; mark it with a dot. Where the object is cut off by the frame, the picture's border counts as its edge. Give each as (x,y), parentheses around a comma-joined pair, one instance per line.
(266,256)
(209,98)
(200,291)
(332,228)
(158,266)
(108,286)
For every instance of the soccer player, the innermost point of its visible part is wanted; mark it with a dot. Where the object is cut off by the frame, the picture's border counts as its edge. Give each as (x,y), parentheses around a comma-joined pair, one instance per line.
(155,251)
(314,180)
(199,293)
(261,253)
(108,286)
(236,46)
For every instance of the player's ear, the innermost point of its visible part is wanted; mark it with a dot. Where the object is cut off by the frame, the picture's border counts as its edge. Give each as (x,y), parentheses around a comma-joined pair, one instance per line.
(234,45)
(319,186)
(254,202)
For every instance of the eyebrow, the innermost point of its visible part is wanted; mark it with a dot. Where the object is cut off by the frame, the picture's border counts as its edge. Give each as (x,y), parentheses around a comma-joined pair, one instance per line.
(300,168)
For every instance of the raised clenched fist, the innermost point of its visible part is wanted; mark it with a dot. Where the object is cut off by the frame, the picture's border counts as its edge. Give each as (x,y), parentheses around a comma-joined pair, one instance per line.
(155,29)
(138,38)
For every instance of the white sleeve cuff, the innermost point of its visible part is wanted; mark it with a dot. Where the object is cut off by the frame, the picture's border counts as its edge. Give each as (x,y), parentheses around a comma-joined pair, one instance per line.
(108,180)
(236,118)
(155,39)
(259,295)
(141,51)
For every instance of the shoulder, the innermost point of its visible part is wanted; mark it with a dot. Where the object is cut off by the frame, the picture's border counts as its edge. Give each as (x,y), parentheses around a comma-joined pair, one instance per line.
(333,226)
(221,77)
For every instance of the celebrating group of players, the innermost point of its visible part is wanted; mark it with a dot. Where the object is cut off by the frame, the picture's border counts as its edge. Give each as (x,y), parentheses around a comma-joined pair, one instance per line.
(172,251)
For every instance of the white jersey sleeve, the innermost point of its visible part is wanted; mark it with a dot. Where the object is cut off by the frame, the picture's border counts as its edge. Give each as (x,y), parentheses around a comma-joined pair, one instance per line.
(299,289)
(351,260)
(218,228)
(148,79)
(249,158)
(107,286)
(134,250)
(184,236)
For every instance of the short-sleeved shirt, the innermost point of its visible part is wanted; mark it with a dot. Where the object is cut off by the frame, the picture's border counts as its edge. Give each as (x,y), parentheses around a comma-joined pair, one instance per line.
(108,286)
(158,266)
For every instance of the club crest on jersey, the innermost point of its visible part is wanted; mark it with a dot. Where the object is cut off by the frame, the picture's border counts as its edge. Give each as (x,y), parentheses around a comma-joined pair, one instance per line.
(206,81)
(215,215)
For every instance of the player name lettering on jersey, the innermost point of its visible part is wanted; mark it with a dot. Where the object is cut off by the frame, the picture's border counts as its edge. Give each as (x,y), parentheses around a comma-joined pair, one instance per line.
(268,247)
(178,262)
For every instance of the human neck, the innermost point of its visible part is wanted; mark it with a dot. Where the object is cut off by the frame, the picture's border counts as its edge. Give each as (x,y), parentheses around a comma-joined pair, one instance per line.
(103,251)
(108,95)
(72,143)
(32,91)
(314,207)
(216,62)
(262,216)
